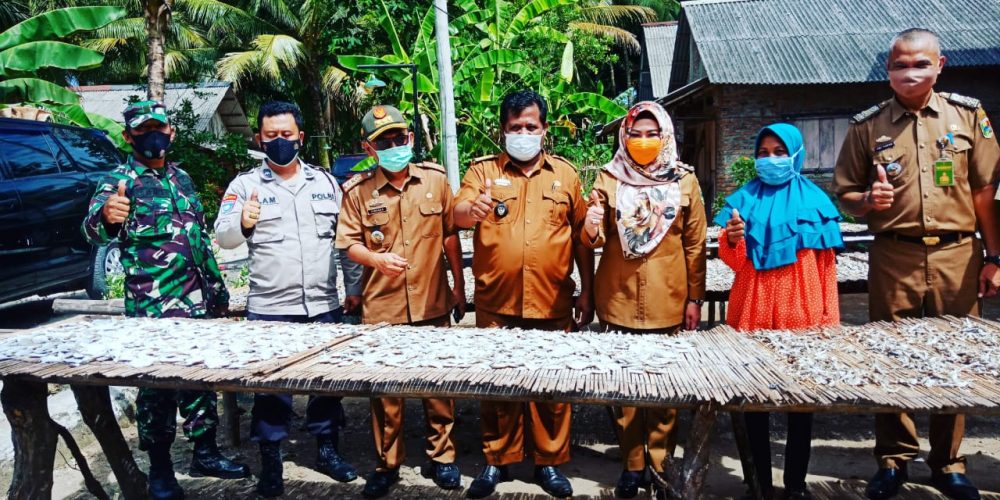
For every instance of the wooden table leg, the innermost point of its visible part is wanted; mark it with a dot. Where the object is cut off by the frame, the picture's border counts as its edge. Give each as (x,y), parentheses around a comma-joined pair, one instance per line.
(746,458)
(26,406)
(231,418)
(95,407)
(685,479)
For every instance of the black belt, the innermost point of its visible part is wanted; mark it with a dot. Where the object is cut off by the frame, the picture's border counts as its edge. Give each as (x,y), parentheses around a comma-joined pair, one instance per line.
(931,240)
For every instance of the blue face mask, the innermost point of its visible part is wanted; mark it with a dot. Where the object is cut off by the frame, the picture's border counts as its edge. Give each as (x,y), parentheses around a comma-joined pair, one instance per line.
(152,145)
(395,159)
(282,152)
(776,170)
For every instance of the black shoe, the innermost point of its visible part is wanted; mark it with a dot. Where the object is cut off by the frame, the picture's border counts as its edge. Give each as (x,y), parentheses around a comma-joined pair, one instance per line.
(629,483)
(885,483)
(208,461)
(446,476)
(483,485)
(552,481)
(955,485)
(163,485)
(329,462)
(796,493)
(377,484)
(271,483)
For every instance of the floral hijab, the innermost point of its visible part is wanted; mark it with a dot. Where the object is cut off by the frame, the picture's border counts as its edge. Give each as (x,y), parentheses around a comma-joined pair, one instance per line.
(648,197)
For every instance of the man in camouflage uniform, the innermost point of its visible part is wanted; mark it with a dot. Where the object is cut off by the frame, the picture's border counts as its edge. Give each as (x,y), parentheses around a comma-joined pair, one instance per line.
(170,272)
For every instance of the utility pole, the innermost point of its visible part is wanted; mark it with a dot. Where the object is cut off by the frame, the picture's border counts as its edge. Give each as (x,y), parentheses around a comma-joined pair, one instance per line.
(449,142)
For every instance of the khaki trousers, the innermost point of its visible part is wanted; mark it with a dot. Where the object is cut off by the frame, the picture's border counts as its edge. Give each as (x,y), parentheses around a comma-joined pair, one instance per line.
(908,280)
(387,424)
(504,423)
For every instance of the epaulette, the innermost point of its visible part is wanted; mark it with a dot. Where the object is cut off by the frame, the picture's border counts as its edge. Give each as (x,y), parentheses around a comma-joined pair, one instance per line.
(684,166)
(484,158)
(429,165)
(870,112)
(355,180)
(961,100)
(561,159)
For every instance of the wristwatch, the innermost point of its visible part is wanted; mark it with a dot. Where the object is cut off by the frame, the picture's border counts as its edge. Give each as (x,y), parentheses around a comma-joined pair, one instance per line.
(697,302)
(993,259)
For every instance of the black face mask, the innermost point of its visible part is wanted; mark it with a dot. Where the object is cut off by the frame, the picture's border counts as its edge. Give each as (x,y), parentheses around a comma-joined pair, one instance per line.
(281,151)
(152,145)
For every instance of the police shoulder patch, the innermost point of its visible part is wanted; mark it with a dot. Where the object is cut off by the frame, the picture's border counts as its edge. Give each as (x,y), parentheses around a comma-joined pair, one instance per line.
(870,112)
(961,100)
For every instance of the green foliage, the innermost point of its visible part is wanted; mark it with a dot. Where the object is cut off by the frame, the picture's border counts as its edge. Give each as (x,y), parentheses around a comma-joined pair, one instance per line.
(588,155)
(116,286)
(28,48)
(209,160)
(742,171)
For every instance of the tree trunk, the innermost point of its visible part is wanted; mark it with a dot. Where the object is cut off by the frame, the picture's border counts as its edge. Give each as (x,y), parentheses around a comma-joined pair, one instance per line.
(26,406)
(320,117)
(95,407)
(157,19)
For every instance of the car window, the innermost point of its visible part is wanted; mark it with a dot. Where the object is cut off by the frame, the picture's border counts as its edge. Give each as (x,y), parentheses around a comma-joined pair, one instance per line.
(89,150)
(28,155)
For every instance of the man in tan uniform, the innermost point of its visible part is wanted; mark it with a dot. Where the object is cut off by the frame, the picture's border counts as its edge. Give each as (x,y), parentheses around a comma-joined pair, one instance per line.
(396,221)
(530,210)
(920,168)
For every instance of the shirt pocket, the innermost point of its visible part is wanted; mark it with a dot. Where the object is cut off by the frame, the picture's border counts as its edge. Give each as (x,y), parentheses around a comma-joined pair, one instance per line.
(377,223)
(268,227)
(681,213)
(959,152)
(152,219)
(557,205)
(508,197)
(325,213)
(430,212)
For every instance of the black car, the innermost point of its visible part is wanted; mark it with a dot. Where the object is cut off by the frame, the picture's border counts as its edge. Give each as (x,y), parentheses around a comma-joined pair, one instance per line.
(48,173)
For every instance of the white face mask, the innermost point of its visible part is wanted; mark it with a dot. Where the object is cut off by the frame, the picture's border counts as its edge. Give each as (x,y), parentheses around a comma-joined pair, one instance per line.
(523,147)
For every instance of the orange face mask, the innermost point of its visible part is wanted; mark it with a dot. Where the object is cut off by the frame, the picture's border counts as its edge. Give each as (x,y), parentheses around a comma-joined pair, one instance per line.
(644,150)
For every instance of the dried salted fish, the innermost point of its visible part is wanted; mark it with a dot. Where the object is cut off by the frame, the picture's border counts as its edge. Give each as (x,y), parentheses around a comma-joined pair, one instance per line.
(497,348)
(142,342)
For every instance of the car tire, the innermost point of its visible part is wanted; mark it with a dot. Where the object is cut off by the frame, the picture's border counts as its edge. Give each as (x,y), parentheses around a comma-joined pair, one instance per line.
(106,260)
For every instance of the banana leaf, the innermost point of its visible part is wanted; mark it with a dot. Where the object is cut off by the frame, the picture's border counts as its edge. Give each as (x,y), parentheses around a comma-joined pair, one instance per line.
(33,56)
(34,90)
(59,23)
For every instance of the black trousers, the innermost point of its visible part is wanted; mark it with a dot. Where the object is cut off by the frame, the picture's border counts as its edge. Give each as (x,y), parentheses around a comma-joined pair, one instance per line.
(797,447)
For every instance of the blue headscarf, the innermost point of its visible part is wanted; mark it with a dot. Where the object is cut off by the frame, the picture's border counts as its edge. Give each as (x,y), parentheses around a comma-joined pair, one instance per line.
(781,220)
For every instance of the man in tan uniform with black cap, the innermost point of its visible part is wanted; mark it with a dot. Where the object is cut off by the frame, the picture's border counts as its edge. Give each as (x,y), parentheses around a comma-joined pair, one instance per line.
(397,222)
(920,167)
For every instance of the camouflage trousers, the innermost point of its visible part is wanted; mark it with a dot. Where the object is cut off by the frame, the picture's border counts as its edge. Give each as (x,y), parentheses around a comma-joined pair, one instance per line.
(156,414)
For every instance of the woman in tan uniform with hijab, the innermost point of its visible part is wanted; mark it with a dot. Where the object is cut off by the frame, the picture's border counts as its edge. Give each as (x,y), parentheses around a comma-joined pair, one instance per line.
(646,211)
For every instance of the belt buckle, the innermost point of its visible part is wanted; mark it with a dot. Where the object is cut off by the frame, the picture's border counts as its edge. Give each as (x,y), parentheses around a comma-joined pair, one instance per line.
(931,241)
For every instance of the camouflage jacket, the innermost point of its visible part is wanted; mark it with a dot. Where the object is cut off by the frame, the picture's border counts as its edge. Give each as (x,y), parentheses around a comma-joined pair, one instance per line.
(170,270)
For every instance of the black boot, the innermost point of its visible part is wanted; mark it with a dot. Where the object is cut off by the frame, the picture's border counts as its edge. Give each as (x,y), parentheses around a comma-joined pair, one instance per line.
(162,483)
(329,462)
(208,461)
(271,483)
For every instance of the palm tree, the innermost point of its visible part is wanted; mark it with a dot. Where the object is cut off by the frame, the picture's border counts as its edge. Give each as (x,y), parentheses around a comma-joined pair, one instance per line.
(291,58)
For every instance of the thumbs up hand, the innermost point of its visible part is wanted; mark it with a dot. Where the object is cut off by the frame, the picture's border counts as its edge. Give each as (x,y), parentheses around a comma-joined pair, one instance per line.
(483,205)
(735,228)
(880,196)
(117,207)
(251,212)
(595,215)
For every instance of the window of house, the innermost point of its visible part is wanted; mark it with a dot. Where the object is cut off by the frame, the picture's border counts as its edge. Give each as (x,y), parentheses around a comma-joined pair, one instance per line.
(823,138)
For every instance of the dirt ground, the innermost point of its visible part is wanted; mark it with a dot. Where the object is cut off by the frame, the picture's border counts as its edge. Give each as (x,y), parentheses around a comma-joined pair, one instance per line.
(840,465)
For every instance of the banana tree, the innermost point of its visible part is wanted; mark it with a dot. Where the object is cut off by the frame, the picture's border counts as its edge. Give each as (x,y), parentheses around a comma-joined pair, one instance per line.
(33,45)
